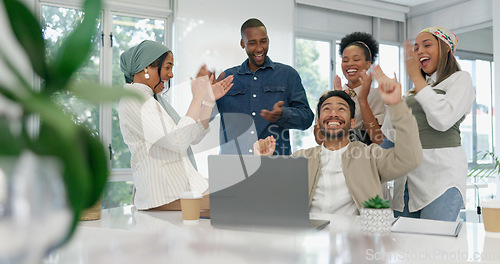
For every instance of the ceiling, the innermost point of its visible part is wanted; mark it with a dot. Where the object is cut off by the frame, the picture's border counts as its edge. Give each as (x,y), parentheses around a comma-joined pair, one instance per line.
(409,3)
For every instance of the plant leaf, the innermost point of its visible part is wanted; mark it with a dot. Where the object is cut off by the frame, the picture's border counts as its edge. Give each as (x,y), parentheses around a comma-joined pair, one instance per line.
(76,176)
(51,114)
(96,93)
(9,145)
(76,48)
(24,85)
(8,94)
(29,34)
(96,159)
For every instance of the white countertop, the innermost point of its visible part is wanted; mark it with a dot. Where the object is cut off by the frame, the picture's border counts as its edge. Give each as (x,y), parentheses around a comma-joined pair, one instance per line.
(125,235)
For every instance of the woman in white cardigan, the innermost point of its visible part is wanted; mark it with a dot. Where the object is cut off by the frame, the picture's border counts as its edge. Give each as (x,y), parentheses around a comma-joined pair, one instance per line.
(441,98)
(159,139)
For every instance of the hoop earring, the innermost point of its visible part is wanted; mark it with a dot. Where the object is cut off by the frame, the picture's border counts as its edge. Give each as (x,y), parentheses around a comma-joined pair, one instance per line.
(146,75)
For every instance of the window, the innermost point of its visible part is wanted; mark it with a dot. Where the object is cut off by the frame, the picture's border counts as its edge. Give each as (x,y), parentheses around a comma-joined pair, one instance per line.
(127,32)
(313,63)
(116,32)
(57,23)
(477,129)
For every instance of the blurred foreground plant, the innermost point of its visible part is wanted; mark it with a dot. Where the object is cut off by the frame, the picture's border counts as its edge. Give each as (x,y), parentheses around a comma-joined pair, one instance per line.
(83,156)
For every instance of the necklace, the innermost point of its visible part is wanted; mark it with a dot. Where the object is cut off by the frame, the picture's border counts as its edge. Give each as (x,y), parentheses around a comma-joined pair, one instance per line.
(350,92)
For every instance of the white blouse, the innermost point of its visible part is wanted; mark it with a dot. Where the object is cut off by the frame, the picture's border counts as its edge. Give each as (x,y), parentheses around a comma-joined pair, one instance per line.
(374,101)
(332,195)
(441,168)
(160,166)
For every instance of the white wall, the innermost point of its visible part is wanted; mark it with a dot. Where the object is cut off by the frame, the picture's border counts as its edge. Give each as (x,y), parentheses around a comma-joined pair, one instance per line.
(209,32)
(457,18)
(334,23)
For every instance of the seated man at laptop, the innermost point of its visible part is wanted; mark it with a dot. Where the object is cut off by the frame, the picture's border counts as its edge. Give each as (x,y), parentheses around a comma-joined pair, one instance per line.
(343,174)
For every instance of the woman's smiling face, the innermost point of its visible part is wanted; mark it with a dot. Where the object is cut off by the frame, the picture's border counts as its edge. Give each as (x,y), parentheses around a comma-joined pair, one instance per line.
(427,49)
(353,62)
(157,82)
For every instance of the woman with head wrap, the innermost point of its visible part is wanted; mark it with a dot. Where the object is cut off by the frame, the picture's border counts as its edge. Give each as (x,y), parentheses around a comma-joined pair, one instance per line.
(441,98)
(159,139)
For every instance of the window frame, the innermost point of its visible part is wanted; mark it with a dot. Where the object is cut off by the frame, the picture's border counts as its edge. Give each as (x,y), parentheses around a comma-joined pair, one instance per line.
(468,55)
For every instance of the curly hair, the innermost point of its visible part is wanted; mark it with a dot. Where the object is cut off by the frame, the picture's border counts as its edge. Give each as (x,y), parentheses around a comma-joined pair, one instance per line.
(363,40)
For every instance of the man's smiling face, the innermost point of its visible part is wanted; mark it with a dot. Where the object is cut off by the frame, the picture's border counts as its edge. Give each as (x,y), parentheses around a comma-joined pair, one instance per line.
(335,118)
(256,43)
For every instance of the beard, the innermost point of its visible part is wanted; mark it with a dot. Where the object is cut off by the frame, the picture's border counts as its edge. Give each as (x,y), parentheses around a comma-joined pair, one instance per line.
(335,135)
(338,135)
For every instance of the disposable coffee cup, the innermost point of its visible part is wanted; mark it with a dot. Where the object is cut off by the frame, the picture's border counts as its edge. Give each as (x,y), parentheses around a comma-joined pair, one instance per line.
(491,217)
(190,206)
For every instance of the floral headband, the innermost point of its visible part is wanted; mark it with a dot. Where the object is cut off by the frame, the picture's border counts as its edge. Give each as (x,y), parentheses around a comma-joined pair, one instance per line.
(445,35)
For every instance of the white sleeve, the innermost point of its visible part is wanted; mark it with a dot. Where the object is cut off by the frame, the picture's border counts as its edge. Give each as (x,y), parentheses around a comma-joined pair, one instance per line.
(444,110)
(202,134)
(160,130)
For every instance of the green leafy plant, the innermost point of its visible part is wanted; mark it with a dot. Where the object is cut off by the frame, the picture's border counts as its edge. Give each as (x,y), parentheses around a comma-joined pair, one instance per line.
(485,170)
(83,156)
(376,202)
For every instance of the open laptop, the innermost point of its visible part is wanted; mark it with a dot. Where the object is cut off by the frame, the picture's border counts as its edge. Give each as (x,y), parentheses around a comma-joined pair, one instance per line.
(253,192)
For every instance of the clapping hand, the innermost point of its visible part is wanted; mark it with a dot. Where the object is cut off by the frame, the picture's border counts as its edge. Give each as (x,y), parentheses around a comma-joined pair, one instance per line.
(412,63)
(389,89)
(366,82)
(264,146)
(200,87)
(220,88)
(205,86)
(337,83)
(275,114)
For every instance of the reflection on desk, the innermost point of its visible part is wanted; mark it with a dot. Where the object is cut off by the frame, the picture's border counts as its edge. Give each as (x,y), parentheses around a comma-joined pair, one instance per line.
(125,235)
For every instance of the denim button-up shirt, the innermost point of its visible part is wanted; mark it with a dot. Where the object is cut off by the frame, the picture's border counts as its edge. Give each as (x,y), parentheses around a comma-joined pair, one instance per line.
(253,91)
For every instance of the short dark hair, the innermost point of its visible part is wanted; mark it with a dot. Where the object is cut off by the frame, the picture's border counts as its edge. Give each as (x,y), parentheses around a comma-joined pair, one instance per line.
(338,93)
(251,23)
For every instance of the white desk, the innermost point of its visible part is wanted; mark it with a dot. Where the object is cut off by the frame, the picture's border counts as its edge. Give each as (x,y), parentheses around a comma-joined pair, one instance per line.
(125,235)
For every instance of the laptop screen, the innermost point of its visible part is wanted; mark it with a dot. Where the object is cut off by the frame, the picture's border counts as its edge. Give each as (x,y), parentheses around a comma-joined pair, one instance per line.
(258,191)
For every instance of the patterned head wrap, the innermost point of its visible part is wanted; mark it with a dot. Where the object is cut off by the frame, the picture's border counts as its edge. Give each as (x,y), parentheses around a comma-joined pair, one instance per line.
(445,35)
(139,57)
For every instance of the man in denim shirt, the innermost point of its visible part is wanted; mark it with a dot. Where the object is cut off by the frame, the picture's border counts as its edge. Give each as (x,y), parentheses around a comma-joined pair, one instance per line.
(267,98)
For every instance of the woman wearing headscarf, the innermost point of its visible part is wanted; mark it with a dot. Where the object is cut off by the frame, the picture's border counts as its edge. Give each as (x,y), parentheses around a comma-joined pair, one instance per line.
(159,139)
(441,98)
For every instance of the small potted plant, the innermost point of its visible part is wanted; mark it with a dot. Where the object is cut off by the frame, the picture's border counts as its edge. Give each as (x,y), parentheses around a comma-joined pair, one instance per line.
(376,216)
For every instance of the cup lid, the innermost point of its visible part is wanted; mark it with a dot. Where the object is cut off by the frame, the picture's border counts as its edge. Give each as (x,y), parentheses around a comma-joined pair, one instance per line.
(191,195)
(492,203)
